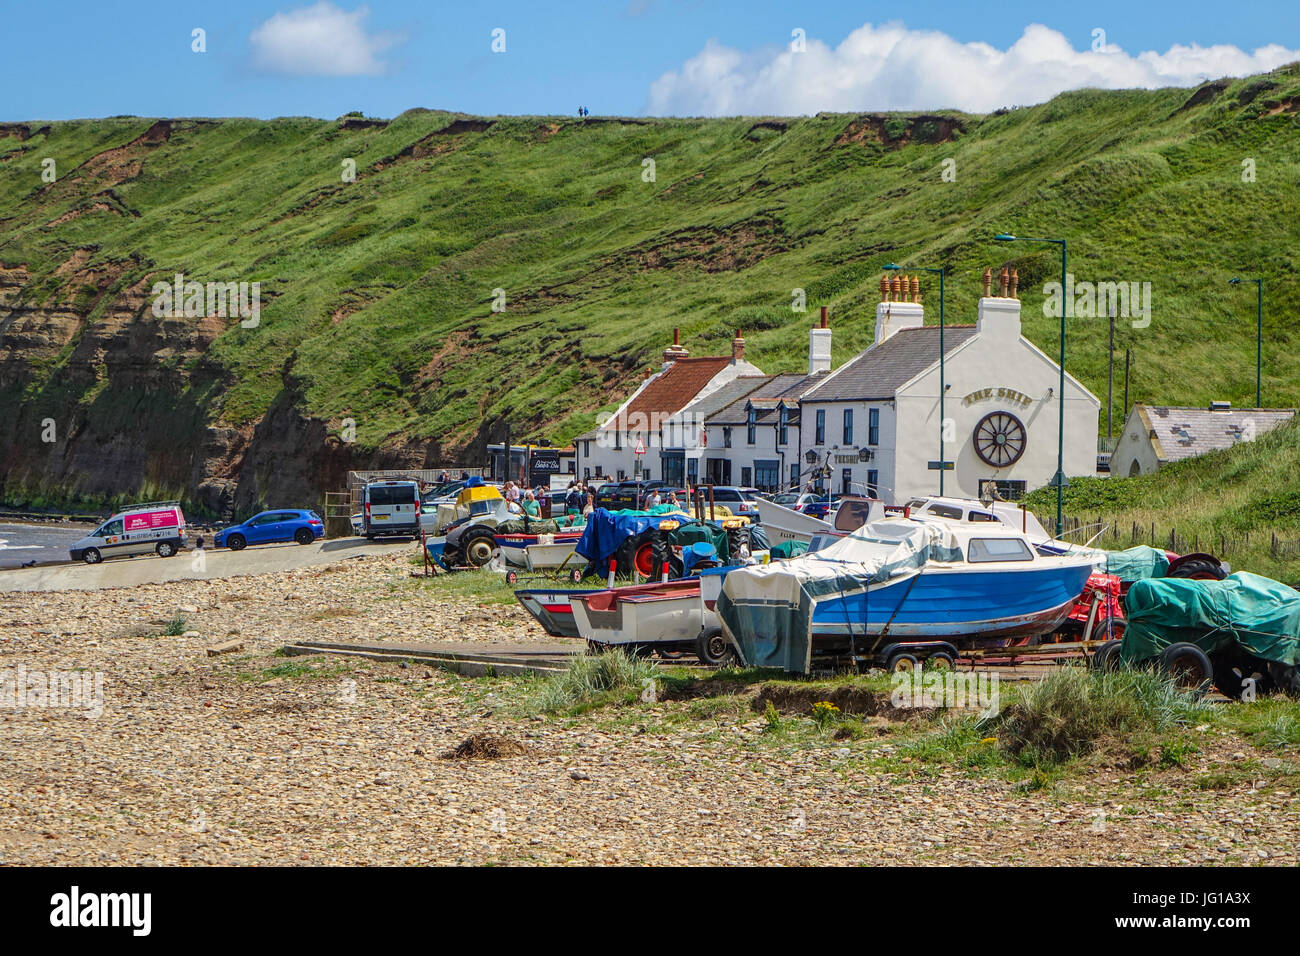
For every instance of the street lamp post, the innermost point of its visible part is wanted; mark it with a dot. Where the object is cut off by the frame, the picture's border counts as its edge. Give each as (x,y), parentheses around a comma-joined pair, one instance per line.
(943,387)
(1259,336)
(1059,480)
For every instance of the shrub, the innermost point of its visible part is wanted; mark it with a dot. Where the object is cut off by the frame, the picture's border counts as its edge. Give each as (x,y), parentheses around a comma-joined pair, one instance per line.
(1070,710)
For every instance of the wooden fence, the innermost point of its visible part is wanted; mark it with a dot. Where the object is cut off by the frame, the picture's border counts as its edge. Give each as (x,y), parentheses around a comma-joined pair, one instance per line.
(1118,536)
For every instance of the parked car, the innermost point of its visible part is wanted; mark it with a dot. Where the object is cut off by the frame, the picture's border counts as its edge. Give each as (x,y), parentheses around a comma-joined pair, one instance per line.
(155,526)
(739,500)
(269,527)
(391,506)
(817,506)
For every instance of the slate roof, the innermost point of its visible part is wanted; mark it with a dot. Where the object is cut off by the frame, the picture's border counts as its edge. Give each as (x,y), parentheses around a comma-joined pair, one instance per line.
(1188,432)
(672,389)
(877,373)
(765,399)
(720,398)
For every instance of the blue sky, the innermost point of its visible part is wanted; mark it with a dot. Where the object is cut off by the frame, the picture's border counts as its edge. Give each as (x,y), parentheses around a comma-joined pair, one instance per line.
(66,59)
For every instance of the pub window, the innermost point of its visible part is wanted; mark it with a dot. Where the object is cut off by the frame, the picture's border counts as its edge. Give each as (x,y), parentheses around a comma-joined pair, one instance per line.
(821,426)
(726,437)
(848,427)
(784,433)
(751,421)
(873,483)
(873,426)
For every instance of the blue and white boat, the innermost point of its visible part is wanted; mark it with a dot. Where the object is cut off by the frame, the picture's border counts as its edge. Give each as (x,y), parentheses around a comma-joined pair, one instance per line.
(979,585)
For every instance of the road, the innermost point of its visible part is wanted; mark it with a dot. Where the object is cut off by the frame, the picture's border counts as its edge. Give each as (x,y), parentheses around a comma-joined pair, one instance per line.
(187,566)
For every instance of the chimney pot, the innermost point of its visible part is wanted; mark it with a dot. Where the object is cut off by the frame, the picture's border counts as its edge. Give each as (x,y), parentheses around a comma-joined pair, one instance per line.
(738,347)
(1015,282)
(1004,280)
(884,288)
(988,283)
(824,319)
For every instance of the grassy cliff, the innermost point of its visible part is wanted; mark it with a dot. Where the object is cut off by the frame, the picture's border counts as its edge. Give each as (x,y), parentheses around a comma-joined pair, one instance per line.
(377,293)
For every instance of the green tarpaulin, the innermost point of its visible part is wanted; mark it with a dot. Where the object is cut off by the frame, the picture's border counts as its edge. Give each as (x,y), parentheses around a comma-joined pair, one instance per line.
(1257,613)
(1137,564)
(693,532)
(789,549)
(537,526)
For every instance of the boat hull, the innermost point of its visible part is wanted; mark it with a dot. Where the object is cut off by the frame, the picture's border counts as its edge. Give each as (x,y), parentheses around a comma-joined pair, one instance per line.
(784,524)
(955,604)
(552,608)
(642,615)
(529,551)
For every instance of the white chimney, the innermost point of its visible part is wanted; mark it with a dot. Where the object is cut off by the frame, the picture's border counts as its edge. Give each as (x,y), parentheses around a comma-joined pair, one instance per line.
(892,317)
(900,306)
(999,318)
(819,347)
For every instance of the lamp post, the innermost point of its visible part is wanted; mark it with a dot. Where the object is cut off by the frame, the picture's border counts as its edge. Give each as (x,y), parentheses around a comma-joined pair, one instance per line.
(1259,335)
(943,387)
(1059,479)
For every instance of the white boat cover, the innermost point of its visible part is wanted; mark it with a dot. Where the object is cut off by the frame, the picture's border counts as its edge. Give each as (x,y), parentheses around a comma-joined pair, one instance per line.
(766,610)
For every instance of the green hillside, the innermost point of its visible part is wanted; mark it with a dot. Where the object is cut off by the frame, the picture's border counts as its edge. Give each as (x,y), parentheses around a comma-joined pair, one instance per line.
(1241,503)
(377,293)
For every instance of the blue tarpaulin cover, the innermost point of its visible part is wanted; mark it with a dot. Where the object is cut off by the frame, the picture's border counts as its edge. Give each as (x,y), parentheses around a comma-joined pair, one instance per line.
(607,530)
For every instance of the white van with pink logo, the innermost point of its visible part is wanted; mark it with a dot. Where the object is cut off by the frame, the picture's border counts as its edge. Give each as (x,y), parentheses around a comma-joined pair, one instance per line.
(157,526)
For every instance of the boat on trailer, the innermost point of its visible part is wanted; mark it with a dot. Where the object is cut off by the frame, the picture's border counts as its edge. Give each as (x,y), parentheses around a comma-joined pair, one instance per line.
(659,616)
(980,584)
(539,551)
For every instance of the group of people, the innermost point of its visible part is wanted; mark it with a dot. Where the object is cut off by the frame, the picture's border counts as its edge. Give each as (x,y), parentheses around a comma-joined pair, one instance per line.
(524,501)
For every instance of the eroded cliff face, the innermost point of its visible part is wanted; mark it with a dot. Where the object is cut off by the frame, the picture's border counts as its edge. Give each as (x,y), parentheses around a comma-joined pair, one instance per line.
(99,397)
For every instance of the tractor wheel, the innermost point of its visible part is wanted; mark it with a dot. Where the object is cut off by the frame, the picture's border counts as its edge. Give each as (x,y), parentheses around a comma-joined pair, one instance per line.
(1199,567)
(479,546)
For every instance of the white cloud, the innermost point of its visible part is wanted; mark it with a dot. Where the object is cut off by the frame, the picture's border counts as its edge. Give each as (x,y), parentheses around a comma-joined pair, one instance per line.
(321,40)
(890,67)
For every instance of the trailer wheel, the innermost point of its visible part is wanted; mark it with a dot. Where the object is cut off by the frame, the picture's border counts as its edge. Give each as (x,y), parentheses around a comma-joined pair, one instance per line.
(1189,666)
(901,662)
(940,661)
(165,549)
(92,556)
(1106,657)
(1233,668)
(1287,677)
(714,649)
(1108,629)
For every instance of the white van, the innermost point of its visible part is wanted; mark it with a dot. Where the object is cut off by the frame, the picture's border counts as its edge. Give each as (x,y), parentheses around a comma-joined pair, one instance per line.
(155,526)
(391,506)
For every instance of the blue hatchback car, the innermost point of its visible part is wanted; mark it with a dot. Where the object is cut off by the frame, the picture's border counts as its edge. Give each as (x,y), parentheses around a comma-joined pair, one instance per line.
(271,526)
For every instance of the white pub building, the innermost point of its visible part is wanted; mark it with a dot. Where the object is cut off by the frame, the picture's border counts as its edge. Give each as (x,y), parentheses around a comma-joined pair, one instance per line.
(875,421)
